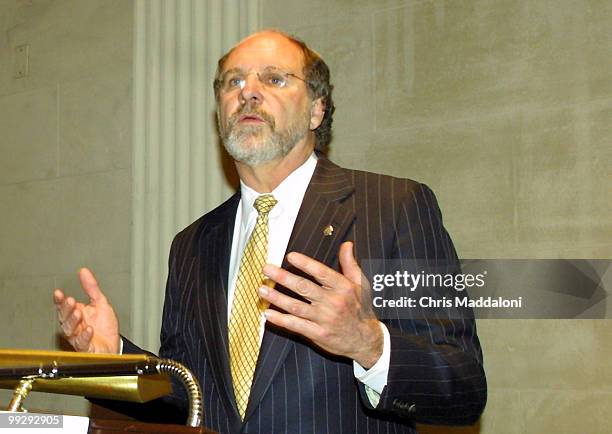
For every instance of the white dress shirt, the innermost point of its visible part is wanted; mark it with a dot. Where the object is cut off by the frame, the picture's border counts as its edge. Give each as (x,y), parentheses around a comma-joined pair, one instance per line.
(289,195)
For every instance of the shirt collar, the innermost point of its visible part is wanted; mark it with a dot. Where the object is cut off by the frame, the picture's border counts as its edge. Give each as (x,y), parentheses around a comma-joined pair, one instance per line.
(289,193)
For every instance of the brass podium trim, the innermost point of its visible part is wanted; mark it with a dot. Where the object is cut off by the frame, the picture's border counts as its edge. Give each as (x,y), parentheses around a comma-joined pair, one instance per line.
(132,388)
(136,378)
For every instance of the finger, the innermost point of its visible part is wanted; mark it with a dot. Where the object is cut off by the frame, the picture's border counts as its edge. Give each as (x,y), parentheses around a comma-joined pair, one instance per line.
(298,284)
(59,299)
(58,296)
(288,304)
(71,325)
(82,342)
(65,308)
(323,274)
(348,263)
(292,323)
(90,286)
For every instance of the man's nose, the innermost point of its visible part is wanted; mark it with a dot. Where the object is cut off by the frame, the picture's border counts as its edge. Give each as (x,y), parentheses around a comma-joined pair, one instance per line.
(252,89)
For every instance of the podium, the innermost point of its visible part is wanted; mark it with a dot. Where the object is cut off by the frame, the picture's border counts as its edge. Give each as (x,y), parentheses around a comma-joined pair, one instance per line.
(134,378)
(109,426)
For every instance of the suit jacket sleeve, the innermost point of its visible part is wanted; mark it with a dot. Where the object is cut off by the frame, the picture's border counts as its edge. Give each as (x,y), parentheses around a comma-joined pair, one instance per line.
(435,370)
(171,408)
(172,342)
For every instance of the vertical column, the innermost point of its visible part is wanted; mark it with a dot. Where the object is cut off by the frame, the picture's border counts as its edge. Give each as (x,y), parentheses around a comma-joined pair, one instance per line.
(176,167)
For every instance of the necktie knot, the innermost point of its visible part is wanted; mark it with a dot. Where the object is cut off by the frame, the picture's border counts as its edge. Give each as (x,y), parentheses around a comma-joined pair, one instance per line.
(264,203)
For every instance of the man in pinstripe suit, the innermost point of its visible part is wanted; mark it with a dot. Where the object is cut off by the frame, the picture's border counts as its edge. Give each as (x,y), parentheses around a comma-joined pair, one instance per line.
(326,363)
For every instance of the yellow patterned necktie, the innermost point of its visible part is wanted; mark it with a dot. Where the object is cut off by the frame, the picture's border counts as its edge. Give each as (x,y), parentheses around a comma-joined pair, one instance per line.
(245,317)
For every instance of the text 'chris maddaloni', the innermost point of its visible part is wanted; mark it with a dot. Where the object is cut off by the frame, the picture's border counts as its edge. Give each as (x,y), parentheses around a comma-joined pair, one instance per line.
(424,291)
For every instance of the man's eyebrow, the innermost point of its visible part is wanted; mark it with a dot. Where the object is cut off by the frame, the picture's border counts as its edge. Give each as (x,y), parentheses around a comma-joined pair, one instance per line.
(232,70)
(238,69)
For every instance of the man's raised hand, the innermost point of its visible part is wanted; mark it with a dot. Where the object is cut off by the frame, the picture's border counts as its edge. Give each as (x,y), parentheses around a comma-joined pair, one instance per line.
(91,327)
(338,318)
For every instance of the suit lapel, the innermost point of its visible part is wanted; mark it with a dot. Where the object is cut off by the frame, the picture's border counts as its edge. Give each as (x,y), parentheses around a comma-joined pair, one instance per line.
(322,207)
(214,251)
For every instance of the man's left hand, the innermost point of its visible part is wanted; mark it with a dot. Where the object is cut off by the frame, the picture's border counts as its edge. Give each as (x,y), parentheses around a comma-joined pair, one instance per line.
(339,318)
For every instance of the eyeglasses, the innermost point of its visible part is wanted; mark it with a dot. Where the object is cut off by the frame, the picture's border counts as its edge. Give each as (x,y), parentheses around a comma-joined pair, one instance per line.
(271,78)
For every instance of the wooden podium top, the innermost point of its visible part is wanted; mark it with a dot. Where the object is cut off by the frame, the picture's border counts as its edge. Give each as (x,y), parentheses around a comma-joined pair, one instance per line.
(107,426)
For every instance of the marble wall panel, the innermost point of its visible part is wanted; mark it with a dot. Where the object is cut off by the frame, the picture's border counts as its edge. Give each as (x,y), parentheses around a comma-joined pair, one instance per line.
(566,412)
(95,122)
(67,40)
(563,170)
(460,59)
(56,226)
(547,354)
(28,316)
(28,135)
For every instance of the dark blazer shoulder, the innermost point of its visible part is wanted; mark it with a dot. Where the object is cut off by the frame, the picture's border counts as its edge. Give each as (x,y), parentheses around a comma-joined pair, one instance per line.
(370,182)
(224,215)
(386,193)
(385,185)
(403,212)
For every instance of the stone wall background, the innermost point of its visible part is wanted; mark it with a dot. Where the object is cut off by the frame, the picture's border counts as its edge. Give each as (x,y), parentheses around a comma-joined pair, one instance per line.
(65,166)
(502,107)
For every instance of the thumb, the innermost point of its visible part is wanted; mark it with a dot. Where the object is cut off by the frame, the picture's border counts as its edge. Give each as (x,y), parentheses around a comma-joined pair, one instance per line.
(348,263)
(90,286)
(352,271)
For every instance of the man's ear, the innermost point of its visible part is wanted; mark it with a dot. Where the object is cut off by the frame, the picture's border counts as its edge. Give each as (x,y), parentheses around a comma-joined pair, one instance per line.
(317,111)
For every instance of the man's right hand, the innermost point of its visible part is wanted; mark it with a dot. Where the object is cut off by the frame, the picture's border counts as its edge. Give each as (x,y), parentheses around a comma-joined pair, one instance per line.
(92,327)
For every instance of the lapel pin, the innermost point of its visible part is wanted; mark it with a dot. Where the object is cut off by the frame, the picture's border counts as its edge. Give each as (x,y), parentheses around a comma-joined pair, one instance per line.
(328,230)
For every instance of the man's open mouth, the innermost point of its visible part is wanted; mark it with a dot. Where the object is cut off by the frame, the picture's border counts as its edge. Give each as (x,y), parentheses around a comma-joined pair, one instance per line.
(250,119)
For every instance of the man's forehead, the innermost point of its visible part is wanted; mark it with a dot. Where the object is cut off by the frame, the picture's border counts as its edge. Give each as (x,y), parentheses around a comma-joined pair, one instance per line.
(265,49)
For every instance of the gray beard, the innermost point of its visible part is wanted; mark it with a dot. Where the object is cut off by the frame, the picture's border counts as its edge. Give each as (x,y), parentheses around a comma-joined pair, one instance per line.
(254,145)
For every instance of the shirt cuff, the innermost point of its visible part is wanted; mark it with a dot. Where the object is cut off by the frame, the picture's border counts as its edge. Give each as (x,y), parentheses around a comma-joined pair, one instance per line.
(375,378)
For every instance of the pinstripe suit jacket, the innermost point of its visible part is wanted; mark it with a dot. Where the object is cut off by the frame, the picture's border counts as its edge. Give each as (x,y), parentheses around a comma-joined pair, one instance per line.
(435,373)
